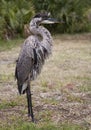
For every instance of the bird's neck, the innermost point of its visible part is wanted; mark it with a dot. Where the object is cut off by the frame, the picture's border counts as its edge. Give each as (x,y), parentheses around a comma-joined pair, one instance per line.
(45,34)
(42,31)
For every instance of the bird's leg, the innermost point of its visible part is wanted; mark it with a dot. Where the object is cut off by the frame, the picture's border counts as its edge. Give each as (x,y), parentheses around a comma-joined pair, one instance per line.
(29,101)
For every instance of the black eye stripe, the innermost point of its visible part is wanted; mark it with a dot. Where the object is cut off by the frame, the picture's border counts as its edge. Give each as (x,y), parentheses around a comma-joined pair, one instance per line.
(43,15)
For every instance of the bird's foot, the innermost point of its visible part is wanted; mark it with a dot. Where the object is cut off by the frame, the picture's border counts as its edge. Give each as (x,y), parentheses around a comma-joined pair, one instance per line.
(29,115)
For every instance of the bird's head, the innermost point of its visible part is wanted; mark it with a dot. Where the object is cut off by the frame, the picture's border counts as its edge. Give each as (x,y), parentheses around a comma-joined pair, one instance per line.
(44,18)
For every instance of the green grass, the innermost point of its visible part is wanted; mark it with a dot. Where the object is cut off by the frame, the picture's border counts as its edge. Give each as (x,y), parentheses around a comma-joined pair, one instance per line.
(31,126)
(7,105)
(7,45)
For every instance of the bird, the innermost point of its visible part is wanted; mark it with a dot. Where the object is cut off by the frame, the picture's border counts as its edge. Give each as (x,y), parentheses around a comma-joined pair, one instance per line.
(34,51)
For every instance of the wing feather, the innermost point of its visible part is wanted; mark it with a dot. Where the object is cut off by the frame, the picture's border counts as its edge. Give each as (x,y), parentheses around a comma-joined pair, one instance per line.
(30,61)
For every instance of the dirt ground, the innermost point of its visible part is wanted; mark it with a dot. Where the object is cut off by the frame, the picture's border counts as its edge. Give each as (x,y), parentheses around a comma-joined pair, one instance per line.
(62,92)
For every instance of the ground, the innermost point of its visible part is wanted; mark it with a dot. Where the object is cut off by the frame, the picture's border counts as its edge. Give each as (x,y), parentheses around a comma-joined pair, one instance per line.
(62,92)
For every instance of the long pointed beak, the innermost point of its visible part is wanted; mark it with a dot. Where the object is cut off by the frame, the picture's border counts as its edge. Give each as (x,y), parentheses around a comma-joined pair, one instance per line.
(50,21)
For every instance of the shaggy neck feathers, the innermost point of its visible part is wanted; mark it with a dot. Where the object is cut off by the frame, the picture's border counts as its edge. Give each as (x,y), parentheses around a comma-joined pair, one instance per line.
(42,31)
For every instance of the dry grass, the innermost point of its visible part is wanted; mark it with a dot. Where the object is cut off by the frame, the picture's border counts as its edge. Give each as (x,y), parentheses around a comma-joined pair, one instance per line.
(61,94)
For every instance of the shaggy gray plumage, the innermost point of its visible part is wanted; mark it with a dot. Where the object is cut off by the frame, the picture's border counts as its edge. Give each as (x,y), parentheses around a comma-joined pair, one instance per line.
(35,50)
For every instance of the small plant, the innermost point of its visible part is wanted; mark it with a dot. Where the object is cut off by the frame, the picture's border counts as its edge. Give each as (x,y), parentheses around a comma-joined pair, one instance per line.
(6,105)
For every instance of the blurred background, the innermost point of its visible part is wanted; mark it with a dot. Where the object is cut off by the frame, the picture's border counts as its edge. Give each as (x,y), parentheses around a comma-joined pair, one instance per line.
(16,15)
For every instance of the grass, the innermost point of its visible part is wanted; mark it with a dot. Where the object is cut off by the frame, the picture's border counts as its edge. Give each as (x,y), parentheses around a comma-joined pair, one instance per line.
(7,105)
(31,126)
(61,94)
(5,77)
(7,45)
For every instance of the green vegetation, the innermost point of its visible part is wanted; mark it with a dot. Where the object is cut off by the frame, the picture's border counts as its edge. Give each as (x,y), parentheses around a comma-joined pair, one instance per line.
(14,15)
(71,12)
(7,105)
(29,126)
(7,45)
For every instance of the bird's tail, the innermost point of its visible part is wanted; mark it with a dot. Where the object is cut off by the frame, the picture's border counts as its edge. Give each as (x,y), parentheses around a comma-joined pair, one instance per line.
(22,88)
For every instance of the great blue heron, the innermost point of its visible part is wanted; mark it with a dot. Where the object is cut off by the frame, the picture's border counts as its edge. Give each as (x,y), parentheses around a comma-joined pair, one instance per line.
(32,56)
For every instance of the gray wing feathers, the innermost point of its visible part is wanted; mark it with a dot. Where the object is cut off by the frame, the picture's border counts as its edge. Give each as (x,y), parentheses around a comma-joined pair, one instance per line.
(24,64)
(31,59)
